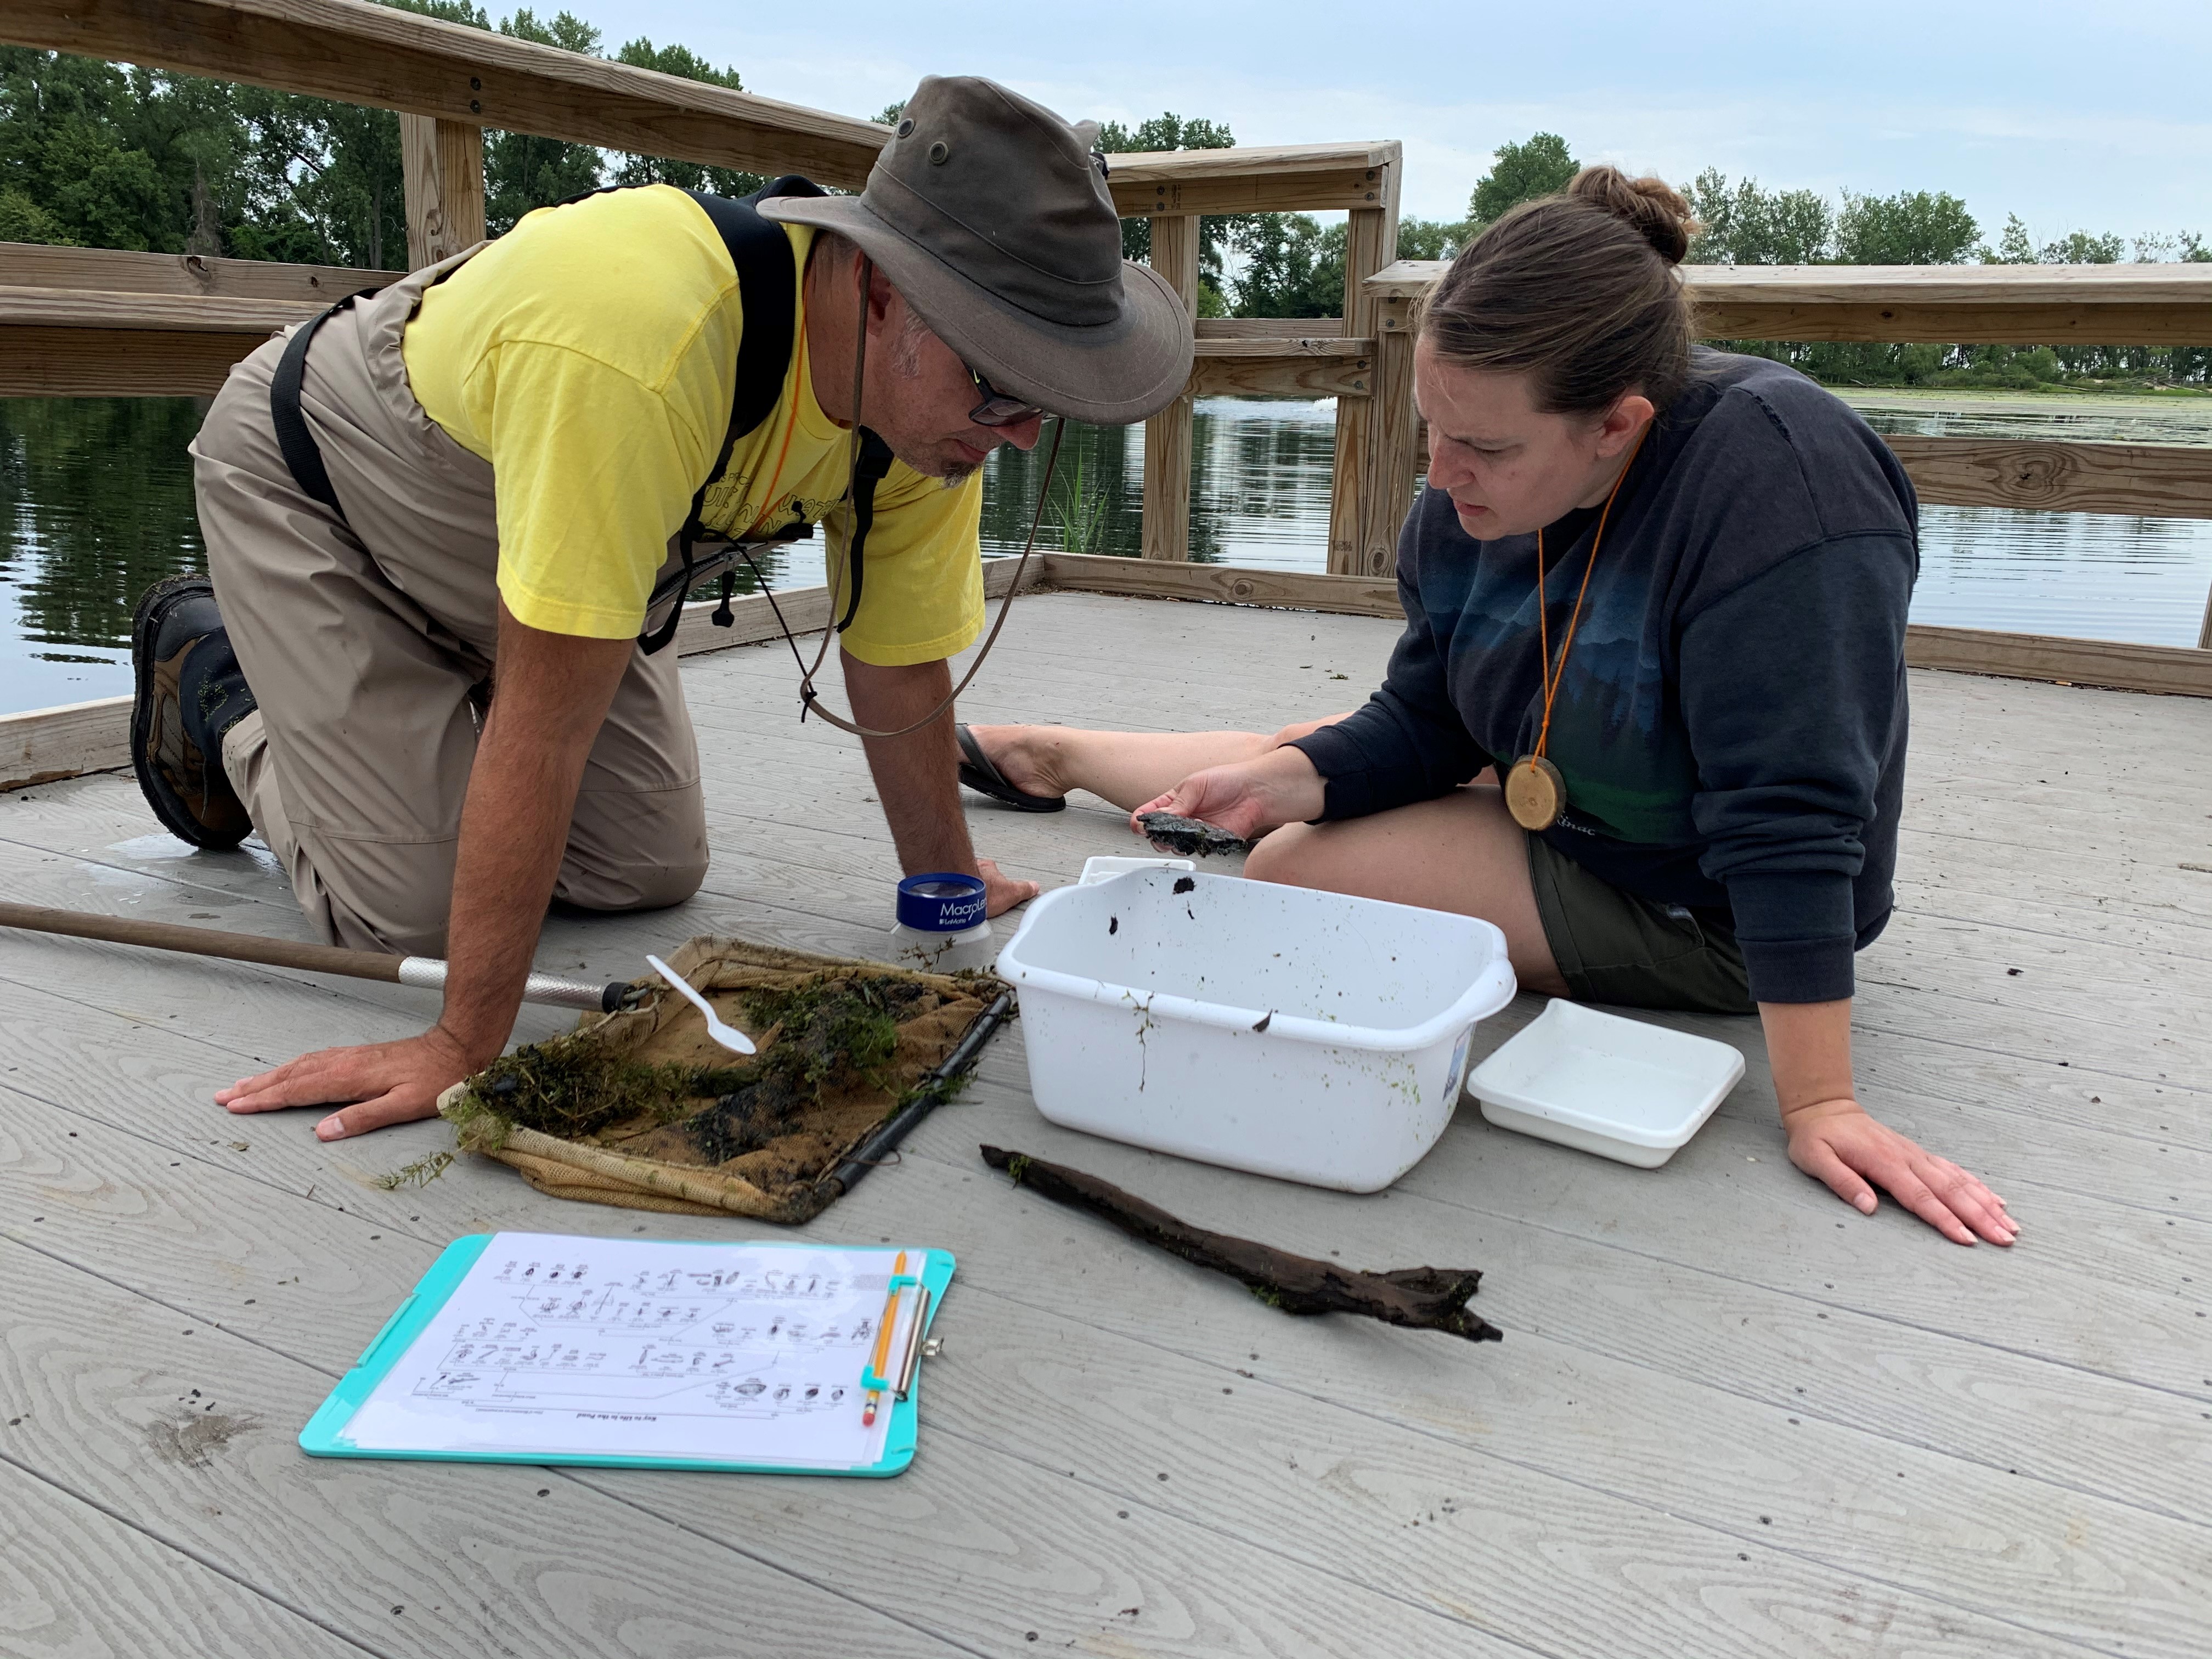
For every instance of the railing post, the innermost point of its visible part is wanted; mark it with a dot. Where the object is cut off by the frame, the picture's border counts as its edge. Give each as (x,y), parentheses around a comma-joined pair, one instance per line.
(1395,444)
(1370,243)
(1167,434)
(441,163)
(2204,633)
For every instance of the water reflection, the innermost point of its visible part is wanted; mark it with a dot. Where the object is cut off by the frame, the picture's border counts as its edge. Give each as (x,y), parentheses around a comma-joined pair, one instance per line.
(96,502)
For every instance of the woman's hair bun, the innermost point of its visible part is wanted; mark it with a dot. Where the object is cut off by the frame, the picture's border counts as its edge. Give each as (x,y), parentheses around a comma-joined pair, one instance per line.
(1654,208)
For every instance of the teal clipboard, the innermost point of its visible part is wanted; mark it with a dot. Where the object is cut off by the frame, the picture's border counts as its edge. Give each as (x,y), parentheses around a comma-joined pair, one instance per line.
(325,1434)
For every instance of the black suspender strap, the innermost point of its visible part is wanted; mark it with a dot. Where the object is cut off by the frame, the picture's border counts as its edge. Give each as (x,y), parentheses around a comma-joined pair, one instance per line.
(769,287)
(867,472)
(303,459)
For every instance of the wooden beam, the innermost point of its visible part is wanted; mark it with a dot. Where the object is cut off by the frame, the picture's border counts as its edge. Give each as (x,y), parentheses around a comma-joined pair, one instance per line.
(1284,366)
(2158,481)
(1943,305)
(97,309)
(1254,179)
(31,264)
(64,342)
(360,53)
(2177,670)
(1281,376)
(48,744)
(1262,328)
(1290,590)
(1995,321)
(1167,434)
(1391,487)
(441,166)
(76,362)
(1370,244)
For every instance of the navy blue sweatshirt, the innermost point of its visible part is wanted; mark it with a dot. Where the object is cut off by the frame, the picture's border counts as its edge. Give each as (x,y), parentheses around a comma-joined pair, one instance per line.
(1731,723)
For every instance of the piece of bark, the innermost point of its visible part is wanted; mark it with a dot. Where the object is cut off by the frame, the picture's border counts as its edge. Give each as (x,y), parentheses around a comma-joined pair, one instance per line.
(1420,1298)
(1190,837)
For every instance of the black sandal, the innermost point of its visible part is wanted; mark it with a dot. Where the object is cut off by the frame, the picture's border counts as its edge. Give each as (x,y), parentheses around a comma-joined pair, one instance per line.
(977,773)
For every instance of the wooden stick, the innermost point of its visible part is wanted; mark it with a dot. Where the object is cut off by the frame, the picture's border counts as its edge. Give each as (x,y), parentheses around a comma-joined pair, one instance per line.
(1421,1298)
(428,973)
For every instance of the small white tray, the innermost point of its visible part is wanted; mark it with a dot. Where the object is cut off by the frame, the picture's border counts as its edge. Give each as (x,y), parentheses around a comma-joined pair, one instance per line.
(1096,870)
(1617,1087)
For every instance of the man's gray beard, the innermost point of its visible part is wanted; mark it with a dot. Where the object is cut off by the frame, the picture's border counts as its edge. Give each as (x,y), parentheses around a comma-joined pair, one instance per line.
(959,473)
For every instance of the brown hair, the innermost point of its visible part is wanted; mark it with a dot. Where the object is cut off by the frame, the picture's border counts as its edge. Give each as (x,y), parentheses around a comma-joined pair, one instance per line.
(1577,290)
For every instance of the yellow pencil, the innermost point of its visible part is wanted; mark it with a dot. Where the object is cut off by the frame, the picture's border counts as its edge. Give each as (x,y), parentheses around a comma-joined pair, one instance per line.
(883,1344)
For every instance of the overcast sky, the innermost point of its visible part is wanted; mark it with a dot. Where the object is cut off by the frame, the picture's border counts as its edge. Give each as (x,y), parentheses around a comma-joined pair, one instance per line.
(2086,116)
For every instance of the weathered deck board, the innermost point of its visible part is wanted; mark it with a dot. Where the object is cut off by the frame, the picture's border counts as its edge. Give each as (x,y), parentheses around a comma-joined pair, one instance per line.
(1597,1481)
(111,1189)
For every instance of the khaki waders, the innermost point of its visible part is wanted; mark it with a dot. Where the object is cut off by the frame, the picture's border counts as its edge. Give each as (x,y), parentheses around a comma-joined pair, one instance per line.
(367,639)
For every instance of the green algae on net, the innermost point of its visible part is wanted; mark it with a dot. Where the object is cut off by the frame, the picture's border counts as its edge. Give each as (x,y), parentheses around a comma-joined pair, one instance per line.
(841,1051)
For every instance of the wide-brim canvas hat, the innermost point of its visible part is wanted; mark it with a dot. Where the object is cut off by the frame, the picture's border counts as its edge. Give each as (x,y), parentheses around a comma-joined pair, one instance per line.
(990,214)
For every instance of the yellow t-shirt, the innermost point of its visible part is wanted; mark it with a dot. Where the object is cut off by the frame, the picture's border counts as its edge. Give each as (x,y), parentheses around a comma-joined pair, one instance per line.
(590,355)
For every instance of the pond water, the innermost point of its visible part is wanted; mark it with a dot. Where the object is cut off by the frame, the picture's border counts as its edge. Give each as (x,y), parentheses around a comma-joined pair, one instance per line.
(96,502)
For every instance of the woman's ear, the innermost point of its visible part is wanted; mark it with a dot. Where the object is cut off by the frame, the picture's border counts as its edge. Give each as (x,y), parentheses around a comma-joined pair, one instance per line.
(1623,423)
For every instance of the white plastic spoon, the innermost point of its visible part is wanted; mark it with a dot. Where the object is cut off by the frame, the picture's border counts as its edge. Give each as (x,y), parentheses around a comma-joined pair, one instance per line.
(728,1036)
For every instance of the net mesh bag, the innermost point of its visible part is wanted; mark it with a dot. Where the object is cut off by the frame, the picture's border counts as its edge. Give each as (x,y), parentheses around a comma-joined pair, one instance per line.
(642,1110)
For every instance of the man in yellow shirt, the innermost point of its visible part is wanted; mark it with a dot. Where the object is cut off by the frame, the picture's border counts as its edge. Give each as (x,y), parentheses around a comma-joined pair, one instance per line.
(427,669)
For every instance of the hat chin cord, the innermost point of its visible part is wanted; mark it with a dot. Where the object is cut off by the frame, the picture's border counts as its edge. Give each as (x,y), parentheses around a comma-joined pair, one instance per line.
(809,699)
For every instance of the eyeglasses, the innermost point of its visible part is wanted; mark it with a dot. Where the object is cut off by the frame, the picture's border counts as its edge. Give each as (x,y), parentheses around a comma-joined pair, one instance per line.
(997,409)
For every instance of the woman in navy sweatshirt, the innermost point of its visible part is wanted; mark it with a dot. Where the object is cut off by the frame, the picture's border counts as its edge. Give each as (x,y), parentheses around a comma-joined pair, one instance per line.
(1701,809)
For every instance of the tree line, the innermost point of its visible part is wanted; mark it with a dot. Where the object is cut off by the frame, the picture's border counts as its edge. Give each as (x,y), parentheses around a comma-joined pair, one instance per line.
(105,155)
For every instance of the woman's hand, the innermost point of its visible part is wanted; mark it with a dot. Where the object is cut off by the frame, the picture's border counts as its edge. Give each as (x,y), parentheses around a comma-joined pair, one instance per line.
(1837,1142)
(1248,798)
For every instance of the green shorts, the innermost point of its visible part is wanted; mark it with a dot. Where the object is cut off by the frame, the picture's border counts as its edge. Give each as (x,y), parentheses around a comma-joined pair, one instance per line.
(1612,946)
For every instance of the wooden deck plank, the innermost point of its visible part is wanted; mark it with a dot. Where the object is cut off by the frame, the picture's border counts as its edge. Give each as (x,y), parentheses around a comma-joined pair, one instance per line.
(77,1583)
(1687,1342)
(110,1194)
(107,1378)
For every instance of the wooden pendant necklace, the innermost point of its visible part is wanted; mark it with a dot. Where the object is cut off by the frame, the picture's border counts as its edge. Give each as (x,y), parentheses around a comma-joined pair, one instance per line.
(1535,793)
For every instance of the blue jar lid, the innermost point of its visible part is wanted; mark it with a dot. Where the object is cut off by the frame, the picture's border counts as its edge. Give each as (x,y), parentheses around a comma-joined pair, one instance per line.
(943,902)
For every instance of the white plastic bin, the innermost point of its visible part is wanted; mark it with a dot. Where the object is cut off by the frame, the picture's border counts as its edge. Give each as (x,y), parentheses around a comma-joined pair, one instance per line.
(1620,1088)
(1140,998)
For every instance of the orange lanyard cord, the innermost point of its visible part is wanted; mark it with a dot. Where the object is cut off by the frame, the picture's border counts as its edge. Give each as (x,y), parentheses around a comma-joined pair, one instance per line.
(775,477)
(1554,675)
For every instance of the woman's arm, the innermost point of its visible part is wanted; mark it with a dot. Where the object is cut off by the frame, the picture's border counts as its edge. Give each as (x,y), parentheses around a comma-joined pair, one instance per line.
(1833,1138)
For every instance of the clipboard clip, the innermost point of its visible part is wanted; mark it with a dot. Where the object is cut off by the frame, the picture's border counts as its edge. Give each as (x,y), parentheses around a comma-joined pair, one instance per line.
(911,1352)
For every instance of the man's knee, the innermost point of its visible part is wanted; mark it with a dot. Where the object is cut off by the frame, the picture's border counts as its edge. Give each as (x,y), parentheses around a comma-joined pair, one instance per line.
(630,885)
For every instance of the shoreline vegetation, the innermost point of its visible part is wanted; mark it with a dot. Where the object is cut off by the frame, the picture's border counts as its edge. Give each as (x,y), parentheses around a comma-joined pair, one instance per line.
(102,154)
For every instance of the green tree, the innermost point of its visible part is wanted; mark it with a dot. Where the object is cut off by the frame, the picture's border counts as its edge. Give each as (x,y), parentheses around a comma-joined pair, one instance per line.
(1431,238)
(523,171)
(1520,173)
(2080,248)
(1291,267)
(1163,131)
(1913,227)
(1746,225)
(2015,247)
(683,62)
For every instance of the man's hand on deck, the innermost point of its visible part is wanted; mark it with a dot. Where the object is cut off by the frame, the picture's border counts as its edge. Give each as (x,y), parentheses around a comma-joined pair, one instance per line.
(1838,1142)
(549,696)
(385,1083)
(917,776)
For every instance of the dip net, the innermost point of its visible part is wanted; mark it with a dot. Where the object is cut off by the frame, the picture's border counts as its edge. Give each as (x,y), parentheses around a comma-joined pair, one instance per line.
(642,1109)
